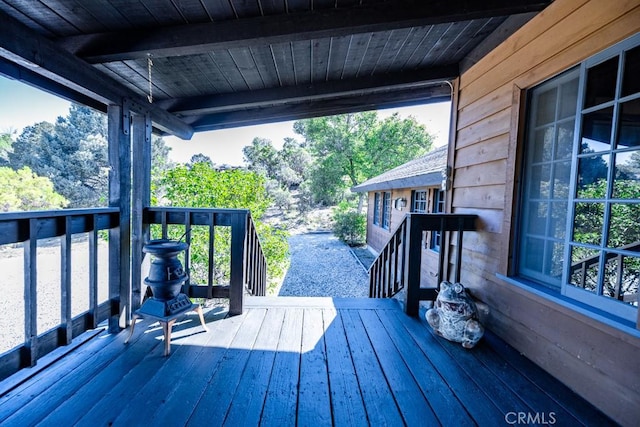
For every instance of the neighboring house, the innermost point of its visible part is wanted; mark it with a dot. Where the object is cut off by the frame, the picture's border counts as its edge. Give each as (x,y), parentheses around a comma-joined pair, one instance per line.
(546,151)
(412,187)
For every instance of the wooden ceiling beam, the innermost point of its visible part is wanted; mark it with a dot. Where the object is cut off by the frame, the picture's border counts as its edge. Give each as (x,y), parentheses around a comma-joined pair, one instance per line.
(318,91)
(325,107)
(199,38)
(39,55)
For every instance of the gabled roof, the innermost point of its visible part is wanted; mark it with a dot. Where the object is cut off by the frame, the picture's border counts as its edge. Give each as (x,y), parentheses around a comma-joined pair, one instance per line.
(425,171)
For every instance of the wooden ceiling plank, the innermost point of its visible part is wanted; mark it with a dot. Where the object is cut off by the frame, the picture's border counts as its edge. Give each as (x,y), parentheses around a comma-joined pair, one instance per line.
(246,8)
(225,62)
(109,15)
(395,43)
(219,10)
(199,38)
(34,52)
(28,11)
(337,58)
(453,34)
(317,91)
(374,51)
(319,60)
(266,67)
(301,56)
(164,12)
(283,63)
(76,14)
(247,68)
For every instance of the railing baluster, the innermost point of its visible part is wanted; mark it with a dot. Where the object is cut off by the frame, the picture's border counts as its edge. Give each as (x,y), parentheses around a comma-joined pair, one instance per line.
(65,333)
(187,252)
(31,295)
(93,273)
(211,266)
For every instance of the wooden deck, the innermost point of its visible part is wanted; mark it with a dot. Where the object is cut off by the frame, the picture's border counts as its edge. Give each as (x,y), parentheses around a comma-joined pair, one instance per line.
(287,361)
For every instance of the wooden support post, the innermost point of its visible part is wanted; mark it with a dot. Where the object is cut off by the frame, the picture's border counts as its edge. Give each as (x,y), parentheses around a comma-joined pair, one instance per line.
(236,292)
(119,238)
(413,258)
(141,199)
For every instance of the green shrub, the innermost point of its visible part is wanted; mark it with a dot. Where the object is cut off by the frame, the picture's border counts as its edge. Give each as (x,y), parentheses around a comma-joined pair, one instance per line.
(348,225)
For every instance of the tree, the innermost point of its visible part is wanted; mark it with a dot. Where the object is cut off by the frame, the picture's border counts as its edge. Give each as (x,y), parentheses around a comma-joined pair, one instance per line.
(5,147)
(202,186)
(351,148)
(73,154)
(200,158)
(23,190)
(262,157)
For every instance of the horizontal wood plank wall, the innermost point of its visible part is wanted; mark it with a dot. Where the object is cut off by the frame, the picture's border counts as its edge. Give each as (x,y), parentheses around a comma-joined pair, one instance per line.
(580,351)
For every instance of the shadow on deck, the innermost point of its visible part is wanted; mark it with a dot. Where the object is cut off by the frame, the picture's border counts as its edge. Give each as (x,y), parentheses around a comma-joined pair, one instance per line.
(289,361)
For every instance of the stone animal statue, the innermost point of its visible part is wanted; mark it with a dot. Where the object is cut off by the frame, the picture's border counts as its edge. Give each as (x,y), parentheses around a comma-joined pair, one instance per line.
(455,315)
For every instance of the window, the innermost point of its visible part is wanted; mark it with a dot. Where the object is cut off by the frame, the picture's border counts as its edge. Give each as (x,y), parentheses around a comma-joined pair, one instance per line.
(376,208)
(437,207)
(419,201)
(386,210)
(581,183)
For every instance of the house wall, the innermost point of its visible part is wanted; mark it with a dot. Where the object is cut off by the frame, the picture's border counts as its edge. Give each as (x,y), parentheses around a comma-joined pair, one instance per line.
(597,361)
(377,237)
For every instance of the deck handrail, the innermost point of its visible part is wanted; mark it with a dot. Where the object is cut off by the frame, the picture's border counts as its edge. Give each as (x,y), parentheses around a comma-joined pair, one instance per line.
(398,265)
(31,227)
(248,262)
(583,265)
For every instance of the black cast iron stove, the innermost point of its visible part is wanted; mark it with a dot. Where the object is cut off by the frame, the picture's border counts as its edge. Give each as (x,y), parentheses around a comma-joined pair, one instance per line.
(166,277)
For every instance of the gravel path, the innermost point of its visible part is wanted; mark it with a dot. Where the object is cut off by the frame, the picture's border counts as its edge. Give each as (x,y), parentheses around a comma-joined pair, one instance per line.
(323,266)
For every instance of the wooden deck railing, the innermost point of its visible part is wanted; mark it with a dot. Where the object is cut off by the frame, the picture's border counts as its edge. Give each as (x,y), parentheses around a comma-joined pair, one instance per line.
(28,228)
(247,261)
(398,265)
(582,267)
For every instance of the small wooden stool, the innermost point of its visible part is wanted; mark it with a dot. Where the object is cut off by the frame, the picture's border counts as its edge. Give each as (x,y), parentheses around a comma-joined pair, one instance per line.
(167,323)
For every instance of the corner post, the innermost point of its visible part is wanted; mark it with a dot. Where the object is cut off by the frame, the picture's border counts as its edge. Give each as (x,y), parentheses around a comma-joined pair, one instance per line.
(238,233)
(141,199)
(119,129)
(413,239)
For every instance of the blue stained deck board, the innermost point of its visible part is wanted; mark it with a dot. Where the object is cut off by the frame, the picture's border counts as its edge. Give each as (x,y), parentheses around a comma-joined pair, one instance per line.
(290,361)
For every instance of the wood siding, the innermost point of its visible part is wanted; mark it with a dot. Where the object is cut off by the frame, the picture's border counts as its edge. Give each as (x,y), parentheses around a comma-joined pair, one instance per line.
(578,350)
(377,237)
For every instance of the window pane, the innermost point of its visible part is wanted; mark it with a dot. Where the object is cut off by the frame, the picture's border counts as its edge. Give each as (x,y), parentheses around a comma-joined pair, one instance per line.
(588,223)
(630,82)
(534,254)
(546,112)
(564,144)
(555,255)
(621,277)
(592,177)
(629,127)
(627,176)
(601,82)
(568,99)
(539,186)
(596,131)
(537,218)
(562,174)
(543,144)
(584,268)
(624,225)
(559,219)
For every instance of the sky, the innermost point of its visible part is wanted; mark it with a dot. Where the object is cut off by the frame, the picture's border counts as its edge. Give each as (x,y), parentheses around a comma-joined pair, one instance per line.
(22,105)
